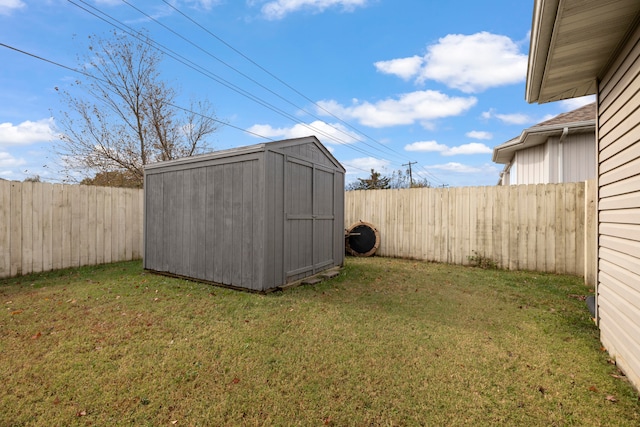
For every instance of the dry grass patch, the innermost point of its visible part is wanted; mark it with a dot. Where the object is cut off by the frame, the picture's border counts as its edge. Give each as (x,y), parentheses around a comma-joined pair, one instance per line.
(388,342)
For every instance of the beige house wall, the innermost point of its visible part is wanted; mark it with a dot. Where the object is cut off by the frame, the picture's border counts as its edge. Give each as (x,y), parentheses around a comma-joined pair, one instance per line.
(619,208)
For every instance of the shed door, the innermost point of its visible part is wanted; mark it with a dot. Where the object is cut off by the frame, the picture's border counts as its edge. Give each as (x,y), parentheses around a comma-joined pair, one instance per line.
(309,208)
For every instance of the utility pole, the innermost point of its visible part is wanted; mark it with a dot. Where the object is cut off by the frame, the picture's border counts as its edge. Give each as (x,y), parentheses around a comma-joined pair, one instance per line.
(410,175)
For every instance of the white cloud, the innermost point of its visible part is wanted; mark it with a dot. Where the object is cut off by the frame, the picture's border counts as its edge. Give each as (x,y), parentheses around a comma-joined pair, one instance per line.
(327,133)
(27,132)
(509,119)
(574,103)
(278,9)
(426,146)
(405,68)
(7,160)
(475,63)
(8,165)
(470,63)
(478,134)
(433,146)
(363,165)
(420,106)
(471,148)
(8,6)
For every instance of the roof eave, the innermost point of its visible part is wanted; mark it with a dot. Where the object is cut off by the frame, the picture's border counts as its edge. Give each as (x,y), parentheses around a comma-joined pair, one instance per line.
(544,18)
(536,135)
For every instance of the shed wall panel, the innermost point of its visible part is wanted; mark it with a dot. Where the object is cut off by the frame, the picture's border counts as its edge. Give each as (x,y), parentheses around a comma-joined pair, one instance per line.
(275,218)
(619,262)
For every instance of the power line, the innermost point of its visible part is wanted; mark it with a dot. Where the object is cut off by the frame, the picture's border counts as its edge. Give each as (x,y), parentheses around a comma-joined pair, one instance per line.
(185,61)
(277,78)
(180,58)
(410,174)
(281,81)
(84,73)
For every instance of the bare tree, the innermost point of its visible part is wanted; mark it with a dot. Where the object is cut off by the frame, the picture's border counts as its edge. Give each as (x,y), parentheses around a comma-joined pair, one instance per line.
(375,182)
(128,117)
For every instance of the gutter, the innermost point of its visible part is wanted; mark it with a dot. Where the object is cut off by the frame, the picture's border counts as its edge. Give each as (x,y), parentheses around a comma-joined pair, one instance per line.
(560,177)
(541,132)
(545,16)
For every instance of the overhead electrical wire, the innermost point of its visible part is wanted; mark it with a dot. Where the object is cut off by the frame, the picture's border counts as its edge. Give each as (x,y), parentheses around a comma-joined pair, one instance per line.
(320,107)
(84,73)
(91,76)
(118,24)
(188,110)
(208,53)
(185,61)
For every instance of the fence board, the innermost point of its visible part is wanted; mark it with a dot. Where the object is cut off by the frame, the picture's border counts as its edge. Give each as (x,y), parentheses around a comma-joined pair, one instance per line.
(92,224)
(500,226)
(56,226)
(16,229)
(108,224)
(514,229)
(541,211)
(67,233)
(591,232)
(5,228)
(100,200)
(47,226)
(36,228)
(27,227)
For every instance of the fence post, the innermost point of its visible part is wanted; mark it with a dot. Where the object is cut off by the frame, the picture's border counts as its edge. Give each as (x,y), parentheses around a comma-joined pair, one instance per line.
(590,233)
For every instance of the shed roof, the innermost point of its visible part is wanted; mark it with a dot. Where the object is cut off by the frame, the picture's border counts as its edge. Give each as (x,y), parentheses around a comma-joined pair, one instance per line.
(572,42)
(581,119)
(231,152)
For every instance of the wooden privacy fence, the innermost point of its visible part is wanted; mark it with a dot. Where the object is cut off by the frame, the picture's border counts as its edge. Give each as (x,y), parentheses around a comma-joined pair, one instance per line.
(546,227)
(549,227)
(50,226)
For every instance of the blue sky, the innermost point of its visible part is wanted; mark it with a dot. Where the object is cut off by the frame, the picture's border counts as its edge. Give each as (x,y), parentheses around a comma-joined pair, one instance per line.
(380,82)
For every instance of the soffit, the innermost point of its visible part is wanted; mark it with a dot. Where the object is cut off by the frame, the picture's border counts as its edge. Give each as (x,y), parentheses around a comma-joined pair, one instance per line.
(572,42)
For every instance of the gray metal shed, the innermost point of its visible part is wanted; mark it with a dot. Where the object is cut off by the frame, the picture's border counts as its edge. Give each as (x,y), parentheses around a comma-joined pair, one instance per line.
(255,217)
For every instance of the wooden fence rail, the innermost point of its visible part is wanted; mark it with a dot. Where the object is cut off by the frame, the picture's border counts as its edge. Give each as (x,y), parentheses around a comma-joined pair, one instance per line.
(545,228)
(51,226)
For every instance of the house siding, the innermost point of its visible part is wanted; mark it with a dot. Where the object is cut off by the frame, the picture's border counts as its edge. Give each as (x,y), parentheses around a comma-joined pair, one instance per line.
(531,166)
(579,157)
(554,162)
(619,208)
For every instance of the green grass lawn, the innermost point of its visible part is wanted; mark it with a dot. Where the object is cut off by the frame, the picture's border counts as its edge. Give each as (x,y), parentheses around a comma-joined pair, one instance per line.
(389,342)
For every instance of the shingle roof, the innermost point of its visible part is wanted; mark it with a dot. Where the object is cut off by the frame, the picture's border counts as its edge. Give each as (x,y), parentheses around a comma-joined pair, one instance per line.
(582,114)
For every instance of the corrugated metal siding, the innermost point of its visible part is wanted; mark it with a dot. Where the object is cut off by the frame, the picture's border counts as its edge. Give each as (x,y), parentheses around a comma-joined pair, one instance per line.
(573,160)
(619,209)
(551,161)
(531,165)
(579,157)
